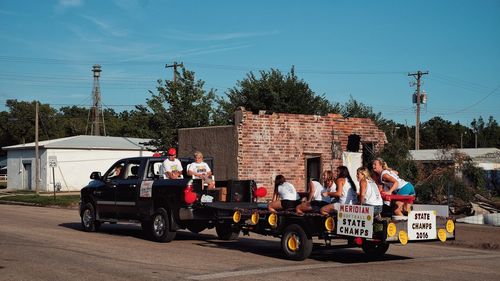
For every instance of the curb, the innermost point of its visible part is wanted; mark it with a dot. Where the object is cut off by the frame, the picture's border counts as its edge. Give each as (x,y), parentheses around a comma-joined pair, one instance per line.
(5,202)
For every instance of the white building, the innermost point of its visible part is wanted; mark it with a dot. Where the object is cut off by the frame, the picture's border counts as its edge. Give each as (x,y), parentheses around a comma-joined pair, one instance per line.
(486,158)
(69,160)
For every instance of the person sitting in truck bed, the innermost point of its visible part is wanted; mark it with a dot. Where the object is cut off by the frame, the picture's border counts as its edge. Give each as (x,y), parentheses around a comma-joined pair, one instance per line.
(315,199)
(285,196)
(172,167)
(393,184)
(346,191)
(200,170)
(369,194)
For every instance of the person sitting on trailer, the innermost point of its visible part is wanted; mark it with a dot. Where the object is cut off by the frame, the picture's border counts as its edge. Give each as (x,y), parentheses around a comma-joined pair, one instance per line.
(285,196)
(393,184)
(346,191)
(315,199)
(369,195)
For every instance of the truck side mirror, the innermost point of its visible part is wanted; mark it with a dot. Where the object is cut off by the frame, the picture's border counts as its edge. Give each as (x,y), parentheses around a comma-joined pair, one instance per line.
(95,176)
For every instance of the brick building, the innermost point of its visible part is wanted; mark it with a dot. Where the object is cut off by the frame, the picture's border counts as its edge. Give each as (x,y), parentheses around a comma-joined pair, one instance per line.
(261,146)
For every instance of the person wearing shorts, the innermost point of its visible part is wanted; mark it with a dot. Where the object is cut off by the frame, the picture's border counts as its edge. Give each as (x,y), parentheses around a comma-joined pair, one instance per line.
(315,199)
(285,196)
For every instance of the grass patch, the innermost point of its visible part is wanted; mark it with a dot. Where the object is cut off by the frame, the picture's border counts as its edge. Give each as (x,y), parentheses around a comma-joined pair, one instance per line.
(62,201)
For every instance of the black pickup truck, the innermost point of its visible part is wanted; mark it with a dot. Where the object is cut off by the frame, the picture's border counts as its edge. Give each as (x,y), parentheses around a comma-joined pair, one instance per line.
(133,190)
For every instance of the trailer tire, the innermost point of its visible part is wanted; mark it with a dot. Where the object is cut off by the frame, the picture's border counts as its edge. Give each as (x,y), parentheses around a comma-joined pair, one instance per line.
(89,222)
(158,226)
(226,232)
(295,243)
(374,249)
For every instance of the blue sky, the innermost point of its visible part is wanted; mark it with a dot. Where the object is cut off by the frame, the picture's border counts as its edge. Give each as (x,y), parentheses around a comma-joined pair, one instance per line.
(362,49)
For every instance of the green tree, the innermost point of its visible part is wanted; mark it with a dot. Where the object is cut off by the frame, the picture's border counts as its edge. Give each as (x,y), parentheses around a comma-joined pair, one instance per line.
(488,134)
(73,120)
(136,123)
(184,104)
(20,125)
(276,92)
(439,133)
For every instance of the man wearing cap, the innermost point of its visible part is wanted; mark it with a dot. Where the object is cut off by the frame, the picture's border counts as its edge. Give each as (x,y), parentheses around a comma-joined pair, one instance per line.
(172,166)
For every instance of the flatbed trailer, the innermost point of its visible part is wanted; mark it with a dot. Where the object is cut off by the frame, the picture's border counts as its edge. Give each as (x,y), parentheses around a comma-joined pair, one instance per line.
(352,223)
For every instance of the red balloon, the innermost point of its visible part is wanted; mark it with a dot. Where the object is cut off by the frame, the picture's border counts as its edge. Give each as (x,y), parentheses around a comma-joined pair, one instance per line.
(260,192)
(189,197)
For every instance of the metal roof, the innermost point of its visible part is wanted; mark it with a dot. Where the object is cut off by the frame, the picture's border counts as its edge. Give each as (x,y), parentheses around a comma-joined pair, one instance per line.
(487,154)
(86,142)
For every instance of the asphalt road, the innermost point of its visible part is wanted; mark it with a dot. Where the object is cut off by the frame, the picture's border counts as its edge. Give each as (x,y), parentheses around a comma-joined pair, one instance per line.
(48,244)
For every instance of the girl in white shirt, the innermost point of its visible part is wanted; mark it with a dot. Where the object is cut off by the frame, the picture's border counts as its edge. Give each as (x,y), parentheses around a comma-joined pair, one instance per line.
(369,194)
(392,184)
(346,190)
(316,200)
(285,196)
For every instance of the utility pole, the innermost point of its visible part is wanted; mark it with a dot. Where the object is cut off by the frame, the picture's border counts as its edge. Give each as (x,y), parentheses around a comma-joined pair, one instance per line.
(474,130)
(175,65)
(418,75)
(37,156)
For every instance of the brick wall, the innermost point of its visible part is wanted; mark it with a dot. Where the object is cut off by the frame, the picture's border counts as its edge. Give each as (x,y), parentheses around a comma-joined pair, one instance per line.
(278,143)
(218,142)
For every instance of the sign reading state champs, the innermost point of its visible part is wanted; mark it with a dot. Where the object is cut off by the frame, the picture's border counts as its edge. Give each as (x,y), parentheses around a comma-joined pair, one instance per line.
(355,220)
(422,225)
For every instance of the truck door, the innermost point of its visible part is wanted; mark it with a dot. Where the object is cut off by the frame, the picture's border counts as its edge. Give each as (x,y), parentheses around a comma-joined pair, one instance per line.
(105,195)
(127,190)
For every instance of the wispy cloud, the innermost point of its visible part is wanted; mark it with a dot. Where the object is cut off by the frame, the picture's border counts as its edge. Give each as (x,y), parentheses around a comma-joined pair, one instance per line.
(66,4)
(4,12)
(106,27)
(134,8)
(209,50)
(187,36)
(70,3)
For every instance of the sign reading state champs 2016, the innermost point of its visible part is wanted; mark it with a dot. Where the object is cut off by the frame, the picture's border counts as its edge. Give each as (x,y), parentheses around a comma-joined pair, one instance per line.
(355,220)
(422,225)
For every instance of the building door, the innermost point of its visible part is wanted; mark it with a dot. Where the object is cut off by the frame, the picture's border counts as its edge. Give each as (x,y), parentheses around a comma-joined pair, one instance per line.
(313,168)
(27,176)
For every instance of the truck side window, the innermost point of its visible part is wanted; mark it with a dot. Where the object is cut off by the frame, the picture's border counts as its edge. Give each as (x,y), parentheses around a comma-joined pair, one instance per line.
(132,170)
(154,171)
(116,173)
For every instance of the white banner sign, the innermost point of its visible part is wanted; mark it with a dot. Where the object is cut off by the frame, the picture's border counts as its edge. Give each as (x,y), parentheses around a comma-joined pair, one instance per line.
(422,225)
(355,220)
(146,188)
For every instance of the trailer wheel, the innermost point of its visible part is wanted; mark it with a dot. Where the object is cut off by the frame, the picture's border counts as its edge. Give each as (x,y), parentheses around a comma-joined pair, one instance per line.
(374,249)
(158,227)
(295,243)
(89,222)
(226,232)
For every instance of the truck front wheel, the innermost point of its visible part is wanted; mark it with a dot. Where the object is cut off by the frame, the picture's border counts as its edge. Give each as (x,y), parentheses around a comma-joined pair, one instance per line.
(295,243)
(89,222)
(226,232)
(158,226)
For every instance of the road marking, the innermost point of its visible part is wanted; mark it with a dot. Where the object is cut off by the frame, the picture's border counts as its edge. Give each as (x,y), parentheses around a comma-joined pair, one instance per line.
(328,265)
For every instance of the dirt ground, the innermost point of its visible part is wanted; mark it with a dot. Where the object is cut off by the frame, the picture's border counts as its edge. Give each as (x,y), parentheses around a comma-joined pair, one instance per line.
(477,236)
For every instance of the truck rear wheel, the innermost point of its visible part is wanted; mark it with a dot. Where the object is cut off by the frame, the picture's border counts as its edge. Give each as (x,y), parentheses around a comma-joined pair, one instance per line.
(295,243)
(89,222)
(374,249)
(158,227)
(226,232)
